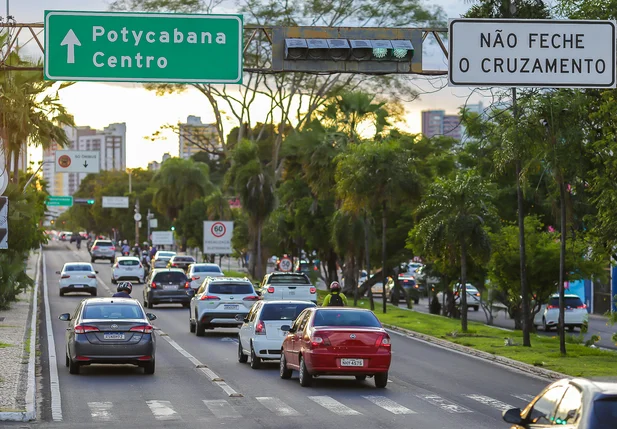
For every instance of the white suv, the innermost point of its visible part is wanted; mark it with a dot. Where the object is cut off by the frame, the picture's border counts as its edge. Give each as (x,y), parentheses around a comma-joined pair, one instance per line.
(294,286)
(261,335)
(575,316)
(218,301)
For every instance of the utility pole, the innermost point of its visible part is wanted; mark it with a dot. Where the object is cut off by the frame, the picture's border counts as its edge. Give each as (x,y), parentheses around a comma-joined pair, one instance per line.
(137,218)
(150,216)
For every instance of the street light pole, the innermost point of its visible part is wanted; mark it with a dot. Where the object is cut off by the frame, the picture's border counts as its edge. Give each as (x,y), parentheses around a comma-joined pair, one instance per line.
(136,222)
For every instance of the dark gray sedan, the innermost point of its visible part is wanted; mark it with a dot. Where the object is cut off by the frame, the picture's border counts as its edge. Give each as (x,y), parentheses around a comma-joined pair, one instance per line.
(110,331)
(167,286)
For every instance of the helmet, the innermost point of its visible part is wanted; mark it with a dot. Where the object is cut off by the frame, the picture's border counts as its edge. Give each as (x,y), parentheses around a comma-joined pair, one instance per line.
(145,244)
(125,242)
(335,286)
(126,287)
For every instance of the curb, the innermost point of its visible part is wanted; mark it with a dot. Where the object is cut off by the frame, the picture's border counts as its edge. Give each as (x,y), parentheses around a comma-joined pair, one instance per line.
(500,360)
(30,413)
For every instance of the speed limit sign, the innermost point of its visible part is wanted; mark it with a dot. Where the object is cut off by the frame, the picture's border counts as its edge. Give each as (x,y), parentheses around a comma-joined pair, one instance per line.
(286,265)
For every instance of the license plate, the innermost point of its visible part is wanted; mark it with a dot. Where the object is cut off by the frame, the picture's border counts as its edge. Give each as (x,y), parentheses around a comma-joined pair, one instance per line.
(292,293)
(113,336)
(171,287)
(231,306)
(352,362)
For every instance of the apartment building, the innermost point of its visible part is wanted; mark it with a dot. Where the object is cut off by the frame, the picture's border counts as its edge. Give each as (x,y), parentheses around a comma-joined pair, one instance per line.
(194,131)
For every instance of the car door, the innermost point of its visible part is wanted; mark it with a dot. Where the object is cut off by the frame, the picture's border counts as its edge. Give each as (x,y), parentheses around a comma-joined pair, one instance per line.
(247,329)
(195,299)
(298,335)
(541,413)
(569,409)
(70,330)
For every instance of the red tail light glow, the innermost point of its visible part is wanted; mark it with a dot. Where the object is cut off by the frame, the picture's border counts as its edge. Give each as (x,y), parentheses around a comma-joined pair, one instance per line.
(383,341)
(209,298)
(91,276)
(260,329)
(66,276)
(116,265)
(187,285)
(313,290)
(251,298)
(582,306)
(144,358)
(145,329)
(552,307)
(195,278)
(320,341)
(270,289)
(96,248)
(153,285)
(84,329)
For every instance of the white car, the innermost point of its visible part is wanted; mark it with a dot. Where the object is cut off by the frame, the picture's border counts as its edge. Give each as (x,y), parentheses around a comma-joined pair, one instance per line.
(198,272)
(77,277)
(473,296)
(127,268)
(219,302)
(575,316)
(261,336)
(161,258)
(294,286)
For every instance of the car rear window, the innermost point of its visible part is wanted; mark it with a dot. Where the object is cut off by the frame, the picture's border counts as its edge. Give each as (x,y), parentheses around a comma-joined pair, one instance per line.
(605,410)
(112,311)
(230,289)
(129,262)
(104,243)
(346,318)
(207,269)
(170,277)
(283,311)
(78,268)
(289,279)
(570,302)
(184,259)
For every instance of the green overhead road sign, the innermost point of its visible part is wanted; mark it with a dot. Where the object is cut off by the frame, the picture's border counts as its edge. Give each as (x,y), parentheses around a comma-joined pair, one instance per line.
(52,201)
(143,47)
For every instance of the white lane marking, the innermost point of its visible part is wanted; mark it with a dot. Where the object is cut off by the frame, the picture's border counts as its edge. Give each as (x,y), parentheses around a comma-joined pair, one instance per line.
(277,406)
(100,411)
(389,405)
(333,405)
(524,398)
(444,404)
(56,399)
(221,408)
(501,406)
(162,410)
(31,389)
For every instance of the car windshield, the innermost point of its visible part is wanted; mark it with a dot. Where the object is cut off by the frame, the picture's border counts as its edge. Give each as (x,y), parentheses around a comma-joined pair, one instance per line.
(230,289)
(128,262)
(112,311)
(572,302)
(346,318)
(184,259)
(165,254)
(170,277)
(283,311)
(78,268)
(206,269)
(288,279)
(605,410)
(103,243)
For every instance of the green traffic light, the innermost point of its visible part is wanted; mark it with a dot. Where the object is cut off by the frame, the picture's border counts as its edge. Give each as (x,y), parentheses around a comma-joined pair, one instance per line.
(90,201)
(173,228)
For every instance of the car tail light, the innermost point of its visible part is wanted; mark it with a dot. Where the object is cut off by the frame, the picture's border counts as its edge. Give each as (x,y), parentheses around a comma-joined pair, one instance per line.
(251,298)
(116,265)
(65,276)
(416,286)
(209,298)
(195,278)
(153,285)
(313,290)
(96,248)
(144,358)
(91,276)
(146,329)
(260,329)
(174,265)
(111,248)
(187,285)
(84,329)
(582,306)
(82,358)
(478,294)
(270,289)
(552,307)
(383,341)
(320,341)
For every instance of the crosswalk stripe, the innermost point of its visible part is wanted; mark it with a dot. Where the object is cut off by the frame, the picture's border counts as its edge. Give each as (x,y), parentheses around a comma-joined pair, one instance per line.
(221,408)
(524,398)
(389,405)
(333,405)
(502,406)
(444,404)
(162,410)
(100,411)
(277,406)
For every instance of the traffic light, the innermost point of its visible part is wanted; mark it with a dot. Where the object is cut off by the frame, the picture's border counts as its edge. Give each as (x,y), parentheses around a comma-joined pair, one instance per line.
(173,228)
(83,201)
(347,50)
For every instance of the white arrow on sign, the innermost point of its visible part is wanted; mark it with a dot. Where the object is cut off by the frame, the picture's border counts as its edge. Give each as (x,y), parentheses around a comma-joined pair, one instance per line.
(70,40)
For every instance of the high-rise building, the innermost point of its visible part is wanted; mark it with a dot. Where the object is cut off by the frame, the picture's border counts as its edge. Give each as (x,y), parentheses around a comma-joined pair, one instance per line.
(193,134)
(155,165)
(437,123)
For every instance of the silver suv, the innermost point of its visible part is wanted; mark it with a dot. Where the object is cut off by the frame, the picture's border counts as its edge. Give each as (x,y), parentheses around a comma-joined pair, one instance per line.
(103,249)
(221,302)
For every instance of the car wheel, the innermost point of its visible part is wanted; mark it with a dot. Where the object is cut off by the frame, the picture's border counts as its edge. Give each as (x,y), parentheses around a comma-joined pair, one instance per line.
(67,361)
(360,377)
(149,367)
(191,327)
(381,380)
(61,292)
(242,358)
(113,281)
(93,293)
(476,308)
(92,260)
(73,367)
(571,328)
(255,360)
(306,379)
(283,370)
(545,327)
(200,329)
(416,301)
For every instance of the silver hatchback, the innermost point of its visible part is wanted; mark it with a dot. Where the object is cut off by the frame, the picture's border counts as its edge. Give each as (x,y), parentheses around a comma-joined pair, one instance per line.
(103,249)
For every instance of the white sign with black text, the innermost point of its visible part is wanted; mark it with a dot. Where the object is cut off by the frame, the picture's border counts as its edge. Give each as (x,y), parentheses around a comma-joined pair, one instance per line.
(116,202)
(531,53)
(165,238)
(217,237)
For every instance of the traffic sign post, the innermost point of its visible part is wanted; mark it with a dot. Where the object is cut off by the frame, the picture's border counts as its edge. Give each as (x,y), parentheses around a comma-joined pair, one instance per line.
(217,237)
(532,53)
(143,47)
(53,201)
(285,265)
(4,222)
(165,238)
(77,161)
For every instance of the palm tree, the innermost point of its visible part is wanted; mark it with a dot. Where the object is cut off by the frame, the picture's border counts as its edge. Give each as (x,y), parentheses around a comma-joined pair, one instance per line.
(217,206)
(456,212)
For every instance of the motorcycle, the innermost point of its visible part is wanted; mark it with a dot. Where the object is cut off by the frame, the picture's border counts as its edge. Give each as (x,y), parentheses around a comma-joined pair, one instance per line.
(78,244)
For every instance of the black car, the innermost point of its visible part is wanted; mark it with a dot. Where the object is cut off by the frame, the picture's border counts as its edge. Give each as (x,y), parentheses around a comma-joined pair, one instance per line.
(168,285)
(577,403)
(409,284)
(181,261)
(110,331)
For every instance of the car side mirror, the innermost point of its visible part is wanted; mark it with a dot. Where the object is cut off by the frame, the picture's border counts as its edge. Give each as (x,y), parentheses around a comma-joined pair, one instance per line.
(58,272)
(513,415)
(151,316)
(65,317)
(285,328)
(96,272)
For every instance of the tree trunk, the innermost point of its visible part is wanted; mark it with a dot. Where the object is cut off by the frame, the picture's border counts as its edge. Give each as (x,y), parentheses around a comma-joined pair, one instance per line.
(384,299)
(16,167)
(562,268)
(463,286)
(367,252)
(332,273)
(258,252)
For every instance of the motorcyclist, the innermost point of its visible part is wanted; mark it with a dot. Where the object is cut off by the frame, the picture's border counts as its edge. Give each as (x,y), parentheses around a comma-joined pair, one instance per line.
(124,290)
(335,298)
(125,249)
(136,250)
(153,251)
(78,241)
(145,260)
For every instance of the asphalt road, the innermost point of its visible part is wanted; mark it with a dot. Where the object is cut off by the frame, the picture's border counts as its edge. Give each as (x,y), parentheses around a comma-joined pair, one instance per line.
(430,387)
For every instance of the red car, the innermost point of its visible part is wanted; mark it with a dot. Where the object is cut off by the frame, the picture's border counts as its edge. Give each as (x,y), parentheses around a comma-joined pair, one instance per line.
(336,341)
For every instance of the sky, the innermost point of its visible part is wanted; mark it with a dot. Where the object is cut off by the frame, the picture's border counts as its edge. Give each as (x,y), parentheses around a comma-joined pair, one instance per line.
(100,104)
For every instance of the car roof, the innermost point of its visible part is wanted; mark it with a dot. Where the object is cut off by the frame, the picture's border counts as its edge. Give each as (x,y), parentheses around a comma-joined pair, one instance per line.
(366,310)
(66,264)
(592,386)
(159,270)
(205,264)
(183,256)
(110,300)
(289,301)
(123,258)
(230,279)
(282,273)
